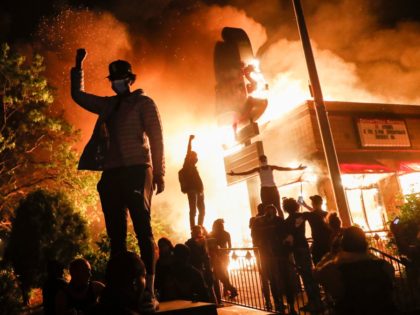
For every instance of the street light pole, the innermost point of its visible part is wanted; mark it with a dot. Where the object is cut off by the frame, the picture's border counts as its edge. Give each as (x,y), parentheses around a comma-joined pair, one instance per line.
(322,118)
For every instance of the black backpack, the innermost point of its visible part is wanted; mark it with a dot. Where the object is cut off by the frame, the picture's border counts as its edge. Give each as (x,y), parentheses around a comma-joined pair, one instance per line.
(182,177)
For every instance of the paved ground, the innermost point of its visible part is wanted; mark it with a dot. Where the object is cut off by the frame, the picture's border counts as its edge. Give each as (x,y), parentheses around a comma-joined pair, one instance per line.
(239,310)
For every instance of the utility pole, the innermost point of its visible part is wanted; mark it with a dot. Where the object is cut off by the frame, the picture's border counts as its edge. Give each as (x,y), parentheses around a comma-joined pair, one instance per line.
(322,118)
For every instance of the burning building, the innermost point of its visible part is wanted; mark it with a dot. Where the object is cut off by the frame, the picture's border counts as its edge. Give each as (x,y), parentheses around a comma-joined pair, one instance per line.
(376,144)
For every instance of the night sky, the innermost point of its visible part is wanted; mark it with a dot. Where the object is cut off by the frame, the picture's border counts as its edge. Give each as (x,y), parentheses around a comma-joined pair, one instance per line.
(19,18)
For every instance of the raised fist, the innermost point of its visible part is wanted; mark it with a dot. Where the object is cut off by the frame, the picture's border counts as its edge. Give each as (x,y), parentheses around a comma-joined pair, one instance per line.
(80,56)
(192,137)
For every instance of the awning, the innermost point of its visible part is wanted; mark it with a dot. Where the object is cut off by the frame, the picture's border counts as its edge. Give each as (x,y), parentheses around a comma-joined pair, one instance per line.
(409,166)
(363,168)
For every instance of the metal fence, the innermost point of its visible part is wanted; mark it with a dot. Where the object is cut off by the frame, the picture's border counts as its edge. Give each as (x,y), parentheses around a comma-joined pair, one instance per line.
(380,240)
(406,293)
(245,274)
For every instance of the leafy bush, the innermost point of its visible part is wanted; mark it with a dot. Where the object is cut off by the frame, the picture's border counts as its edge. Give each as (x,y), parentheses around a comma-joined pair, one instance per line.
(408,227)
(45,227)
(10,296)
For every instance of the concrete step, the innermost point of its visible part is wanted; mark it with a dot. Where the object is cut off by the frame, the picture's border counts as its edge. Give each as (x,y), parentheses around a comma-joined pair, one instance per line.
(181,307)
(240,310)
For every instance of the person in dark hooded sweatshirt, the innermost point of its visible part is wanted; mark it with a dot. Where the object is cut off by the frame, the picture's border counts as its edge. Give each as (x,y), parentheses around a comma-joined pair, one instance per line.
(127,146)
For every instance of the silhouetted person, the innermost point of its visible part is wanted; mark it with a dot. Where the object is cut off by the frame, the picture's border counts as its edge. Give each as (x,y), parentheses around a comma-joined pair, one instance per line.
(275,257)
(334,223)
(81,295)
(125,284)
(192,185)
(256,235)
(164,263)
(220,259)
(200,258)
(55,282)
(184,282)
(321,233)
(127,145)
(359,282)
(269,192)
(295,223)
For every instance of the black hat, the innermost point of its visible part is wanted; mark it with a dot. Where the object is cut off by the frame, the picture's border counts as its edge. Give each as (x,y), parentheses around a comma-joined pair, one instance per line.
(316,198)
(120,69)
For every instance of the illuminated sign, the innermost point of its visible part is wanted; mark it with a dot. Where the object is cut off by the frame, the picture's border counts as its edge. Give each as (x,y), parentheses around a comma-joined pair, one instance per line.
(383,133)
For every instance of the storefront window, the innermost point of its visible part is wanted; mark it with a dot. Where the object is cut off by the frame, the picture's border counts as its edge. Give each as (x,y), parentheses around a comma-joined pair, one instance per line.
(364,201)
(366,208)
(410,183)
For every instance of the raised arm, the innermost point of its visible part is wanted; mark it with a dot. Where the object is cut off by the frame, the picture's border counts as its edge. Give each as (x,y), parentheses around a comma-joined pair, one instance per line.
(254,170)
(280,168)
(189,149)
(90,102)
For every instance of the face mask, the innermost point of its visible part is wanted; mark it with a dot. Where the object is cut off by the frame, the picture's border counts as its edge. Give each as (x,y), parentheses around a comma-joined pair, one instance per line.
(120,86)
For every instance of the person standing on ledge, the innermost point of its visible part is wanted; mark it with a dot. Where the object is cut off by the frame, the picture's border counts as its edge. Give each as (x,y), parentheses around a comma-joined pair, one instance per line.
(192,185)
(127,146)
(269,192)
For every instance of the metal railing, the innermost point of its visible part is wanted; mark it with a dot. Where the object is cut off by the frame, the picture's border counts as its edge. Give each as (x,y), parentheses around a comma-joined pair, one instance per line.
(380,240)
(245,275)
(407,291)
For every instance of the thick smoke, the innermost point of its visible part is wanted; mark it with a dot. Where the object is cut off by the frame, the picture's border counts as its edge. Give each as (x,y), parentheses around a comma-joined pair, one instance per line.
(170,45)
(175,69)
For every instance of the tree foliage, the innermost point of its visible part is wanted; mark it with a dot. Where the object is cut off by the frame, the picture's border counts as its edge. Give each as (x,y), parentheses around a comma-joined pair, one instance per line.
(10,295)
(36,142)
(45,227)
(408,226)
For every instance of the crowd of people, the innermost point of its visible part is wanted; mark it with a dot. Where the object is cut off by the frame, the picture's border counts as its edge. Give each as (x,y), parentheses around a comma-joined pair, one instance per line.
(337,262)
(344,276)
(190,271)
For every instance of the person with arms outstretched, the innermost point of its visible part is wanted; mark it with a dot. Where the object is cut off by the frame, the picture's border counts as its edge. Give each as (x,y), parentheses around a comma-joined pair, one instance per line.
(192,185)
(127,146)
(269,192)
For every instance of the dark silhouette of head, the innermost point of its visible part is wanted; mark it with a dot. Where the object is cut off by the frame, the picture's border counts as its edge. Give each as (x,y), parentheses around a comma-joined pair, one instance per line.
(290,205)
(218,225)
(165,246)
(80,272)
(270,211)
(354,240)
(316,201)
(182,254)
(263,159)
(192,158)
(260,209)
(125,280)
(197,231)
(334,221)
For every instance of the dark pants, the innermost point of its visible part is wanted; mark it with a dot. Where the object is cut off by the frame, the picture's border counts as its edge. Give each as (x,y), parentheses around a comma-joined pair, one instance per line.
(304,264)
(270,195)
(128,188)
(196,201)
(318,251)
